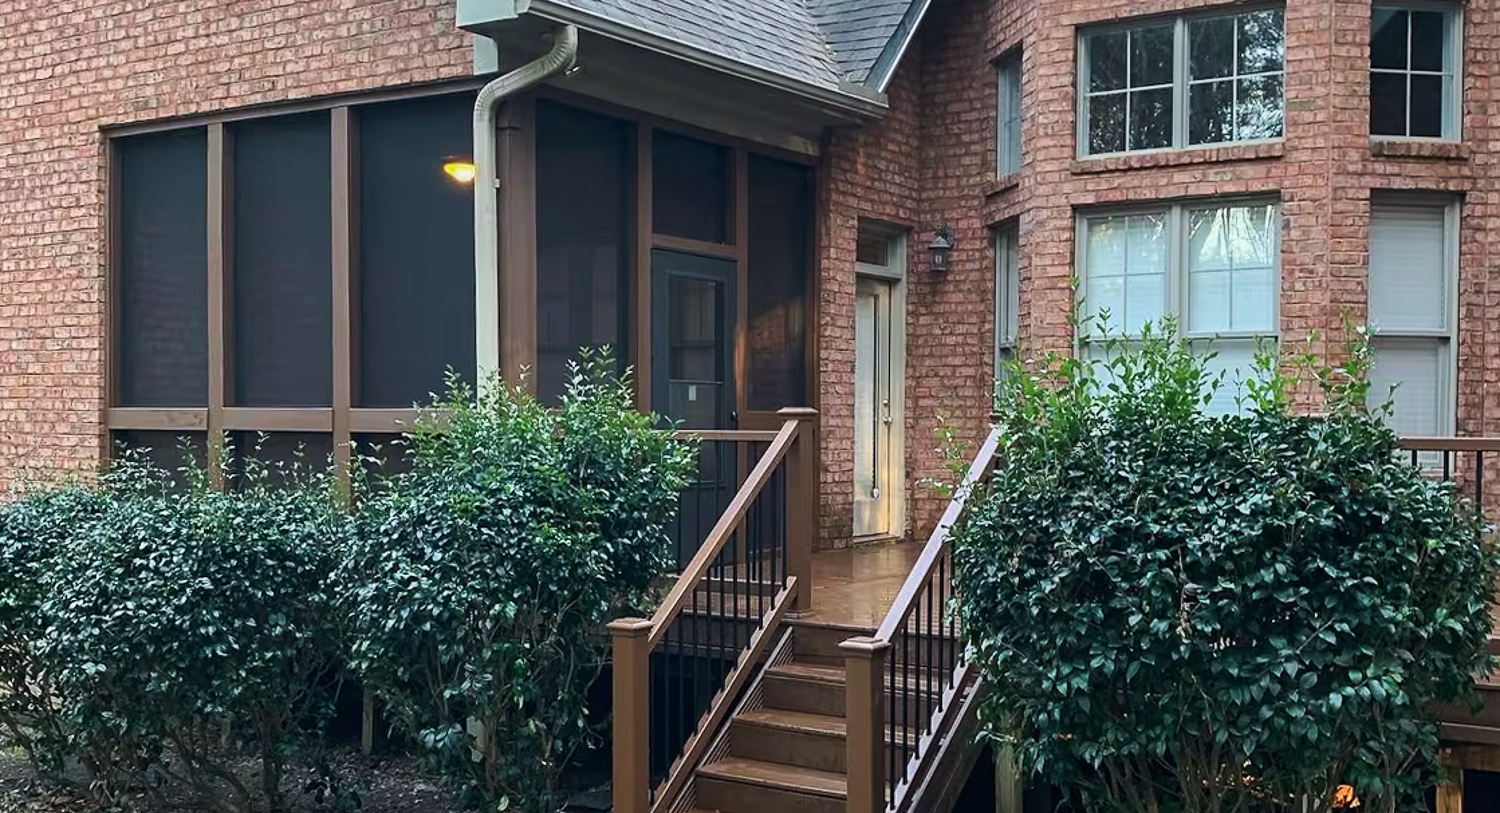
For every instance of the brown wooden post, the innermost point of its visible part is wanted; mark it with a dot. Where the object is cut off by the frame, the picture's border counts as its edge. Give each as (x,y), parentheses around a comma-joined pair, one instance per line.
(1450,794)
(632,711)
(801,504)
(518,248)
(864,719)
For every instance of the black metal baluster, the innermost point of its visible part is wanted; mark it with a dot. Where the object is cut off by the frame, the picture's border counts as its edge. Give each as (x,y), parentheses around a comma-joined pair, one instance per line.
(1479,481)
(892,752)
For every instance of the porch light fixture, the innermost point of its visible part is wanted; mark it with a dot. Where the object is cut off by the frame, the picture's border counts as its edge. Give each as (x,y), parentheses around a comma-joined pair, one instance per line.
(459,170)
(940,247)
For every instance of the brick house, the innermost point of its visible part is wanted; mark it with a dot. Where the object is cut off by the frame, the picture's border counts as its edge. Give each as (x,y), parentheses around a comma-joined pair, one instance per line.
(249,216)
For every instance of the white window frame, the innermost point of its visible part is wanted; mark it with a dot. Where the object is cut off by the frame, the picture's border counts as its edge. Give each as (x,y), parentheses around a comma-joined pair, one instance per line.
(1448,336)
(1453,73)
(1008,141)
(1007,290)
(1178,275)
(1180,79)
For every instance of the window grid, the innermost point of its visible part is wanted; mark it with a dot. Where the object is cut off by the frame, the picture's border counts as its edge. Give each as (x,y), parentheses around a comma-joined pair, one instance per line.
(1007,292)
(1180,85)
(1447,76)
(1008,117)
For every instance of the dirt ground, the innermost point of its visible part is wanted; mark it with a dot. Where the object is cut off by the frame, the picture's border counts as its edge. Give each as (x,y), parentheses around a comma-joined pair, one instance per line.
(384,784)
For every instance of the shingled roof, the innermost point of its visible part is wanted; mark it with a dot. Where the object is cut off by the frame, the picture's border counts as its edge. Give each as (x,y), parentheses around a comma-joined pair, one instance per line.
(830,44)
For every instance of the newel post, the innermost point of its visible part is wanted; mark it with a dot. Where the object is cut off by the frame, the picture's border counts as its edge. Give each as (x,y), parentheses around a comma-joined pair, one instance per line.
(801,504)
(864,719)
(632,710)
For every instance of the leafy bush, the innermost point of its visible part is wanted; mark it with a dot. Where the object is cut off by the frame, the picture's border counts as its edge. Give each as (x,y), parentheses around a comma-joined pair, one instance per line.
(478,584)
(33,531)
(188,616)
(1181,611)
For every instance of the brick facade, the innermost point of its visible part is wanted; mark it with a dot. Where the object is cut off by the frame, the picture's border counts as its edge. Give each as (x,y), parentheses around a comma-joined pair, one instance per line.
(73,67)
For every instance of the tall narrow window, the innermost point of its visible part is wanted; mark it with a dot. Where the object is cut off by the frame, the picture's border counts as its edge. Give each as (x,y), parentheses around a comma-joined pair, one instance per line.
(1007,292)
(1193,80)
(1414,59)
(1224,257)
(1412,273)
(1008,150)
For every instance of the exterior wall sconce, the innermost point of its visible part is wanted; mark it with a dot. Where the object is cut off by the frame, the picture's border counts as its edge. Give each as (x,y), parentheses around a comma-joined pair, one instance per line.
(460,170)
(940,247)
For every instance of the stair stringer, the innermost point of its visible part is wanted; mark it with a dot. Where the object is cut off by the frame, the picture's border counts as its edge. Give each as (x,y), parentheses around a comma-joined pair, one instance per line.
(947,764)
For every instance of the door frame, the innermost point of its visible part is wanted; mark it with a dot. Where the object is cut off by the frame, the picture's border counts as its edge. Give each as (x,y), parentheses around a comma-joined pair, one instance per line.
(894,274)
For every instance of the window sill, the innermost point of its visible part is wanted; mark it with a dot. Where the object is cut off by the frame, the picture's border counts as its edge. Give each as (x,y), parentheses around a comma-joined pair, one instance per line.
(1003,183)
(1179,157)
(1419,148)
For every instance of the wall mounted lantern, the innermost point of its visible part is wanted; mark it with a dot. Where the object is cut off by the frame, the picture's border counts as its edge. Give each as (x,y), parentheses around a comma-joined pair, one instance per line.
(940,247)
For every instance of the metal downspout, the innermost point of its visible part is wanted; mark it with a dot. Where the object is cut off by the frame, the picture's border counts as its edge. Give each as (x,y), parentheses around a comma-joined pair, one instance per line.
(487,181)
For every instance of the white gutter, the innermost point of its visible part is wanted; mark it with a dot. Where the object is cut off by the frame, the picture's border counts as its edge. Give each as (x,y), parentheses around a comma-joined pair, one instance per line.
(487,181)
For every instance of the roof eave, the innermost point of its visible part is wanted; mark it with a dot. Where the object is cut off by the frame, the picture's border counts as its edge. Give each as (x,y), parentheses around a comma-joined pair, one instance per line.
(855,100)
(890,57)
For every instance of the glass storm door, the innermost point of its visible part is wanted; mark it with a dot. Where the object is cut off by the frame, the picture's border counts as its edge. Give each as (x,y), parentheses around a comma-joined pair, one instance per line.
(874,465)
(692,374)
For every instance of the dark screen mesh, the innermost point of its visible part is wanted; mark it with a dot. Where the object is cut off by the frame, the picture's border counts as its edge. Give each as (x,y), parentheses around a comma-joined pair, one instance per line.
(690,188)
(177,452)
(288,457)
(162,291)
(780,245)
(415,311)
(384,455)
(584,231)
(282,284)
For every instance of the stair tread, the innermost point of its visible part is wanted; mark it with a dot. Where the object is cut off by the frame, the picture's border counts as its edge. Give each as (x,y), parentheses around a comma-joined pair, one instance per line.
(776,775)
(795,721)
(823,673)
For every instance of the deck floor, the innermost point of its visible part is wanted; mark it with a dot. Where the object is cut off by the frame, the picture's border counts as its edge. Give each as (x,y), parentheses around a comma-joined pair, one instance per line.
(855,586)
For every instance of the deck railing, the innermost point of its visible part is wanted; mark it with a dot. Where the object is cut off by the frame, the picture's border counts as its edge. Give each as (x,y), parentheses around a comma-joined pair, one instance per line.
(903,681)
(1459,460)
(677,674)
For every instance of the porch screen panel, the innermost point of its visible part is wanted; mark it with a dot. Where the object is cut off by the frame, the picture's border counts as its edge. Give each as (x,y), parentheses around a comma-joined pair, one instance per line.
(780,236)
(162,286)
(178,453)
(284,457)
(690,188)
(281,272)
(414,307)
(584,197)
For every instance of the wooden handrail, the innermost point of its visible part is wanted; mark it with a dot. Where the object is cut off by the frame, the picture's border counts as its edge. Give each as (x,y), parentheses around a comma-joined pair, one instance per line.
(1449,444)
(723,530)
(927,561)
(737,435)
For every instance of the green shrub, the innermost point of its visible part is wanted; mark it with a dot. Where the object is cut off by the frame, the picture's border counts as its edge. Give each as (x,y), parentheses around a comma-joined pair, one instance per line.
(481,578)
(33,531)
(188,619)
(1179,611)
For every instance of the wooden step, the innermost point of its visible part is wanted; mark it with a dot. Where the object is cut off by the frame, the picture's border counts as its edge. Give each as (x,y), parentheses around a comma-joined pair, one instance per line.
(736,785)
(808,688)
(791,737)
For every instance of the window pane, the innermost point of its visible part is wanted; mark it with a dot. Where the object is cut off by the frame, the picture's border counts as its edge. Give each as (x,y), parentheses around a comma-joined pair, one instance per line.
(1146,237)
(162,291)
(1259,113)
(1107,124)
(1107,60)
(1209,302)
(1150,119)
(1262,43)
(1388,104)
(1007,286)
(1388,38)
(1145,301)
(1426,106)
(1254,300)
(690,188)
(872,248)
(1126,271)
(585,170)
(282,280)
(780,249)
(1235,362)
(1416,368)
(1010,116)
(1211,112)
(415,315)
(1151,56)
(1428,33)
(1408,286)
(1211,48)
(1231,273)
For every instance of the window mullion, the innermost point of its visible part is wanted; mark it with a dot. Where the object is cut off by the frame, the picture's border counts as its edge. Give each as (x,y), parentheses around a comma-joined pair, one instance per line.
(1179,84)
(1177,295)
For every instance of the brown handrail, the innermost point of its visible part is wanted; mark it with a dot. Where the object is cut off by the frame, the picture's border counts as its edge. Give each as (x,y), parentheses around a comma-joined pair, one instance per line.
(921,571)
(722,532)
(1449,444)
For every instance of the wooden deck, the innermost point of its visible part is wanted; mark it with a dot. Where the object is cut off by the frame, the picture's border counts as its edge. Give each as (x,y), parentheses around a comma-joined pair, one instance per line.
(855,586)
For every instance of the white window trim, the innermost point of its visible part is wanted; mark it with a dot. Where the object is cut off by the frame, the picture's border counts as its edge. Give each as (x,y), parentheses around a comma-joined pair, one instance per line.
(1180,80)
(1448,384)
(1008,65)
(1453,88)
(1177,268)
(1007,236)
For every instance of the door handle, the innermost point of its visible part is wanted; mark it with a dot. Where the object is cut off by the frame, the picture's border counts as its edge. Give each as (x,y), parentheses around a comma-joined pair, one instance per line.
(885,412)
(734,418)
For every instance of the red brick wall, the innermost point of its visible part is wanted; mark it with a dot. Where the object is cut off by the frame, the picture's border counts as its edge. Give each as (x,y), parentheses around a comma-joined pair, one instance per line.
(74,66)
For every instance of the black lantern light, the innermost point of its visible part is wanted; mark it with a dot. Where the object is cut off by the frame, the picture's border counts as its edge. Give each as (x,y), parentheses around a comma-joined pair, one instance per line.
(940,247)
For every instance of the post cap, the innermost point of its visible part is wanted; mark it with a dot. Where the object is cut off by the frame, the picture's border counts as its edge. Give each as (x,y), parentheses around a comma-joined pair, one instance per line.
(630,627)
(800,413)
(864,646)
